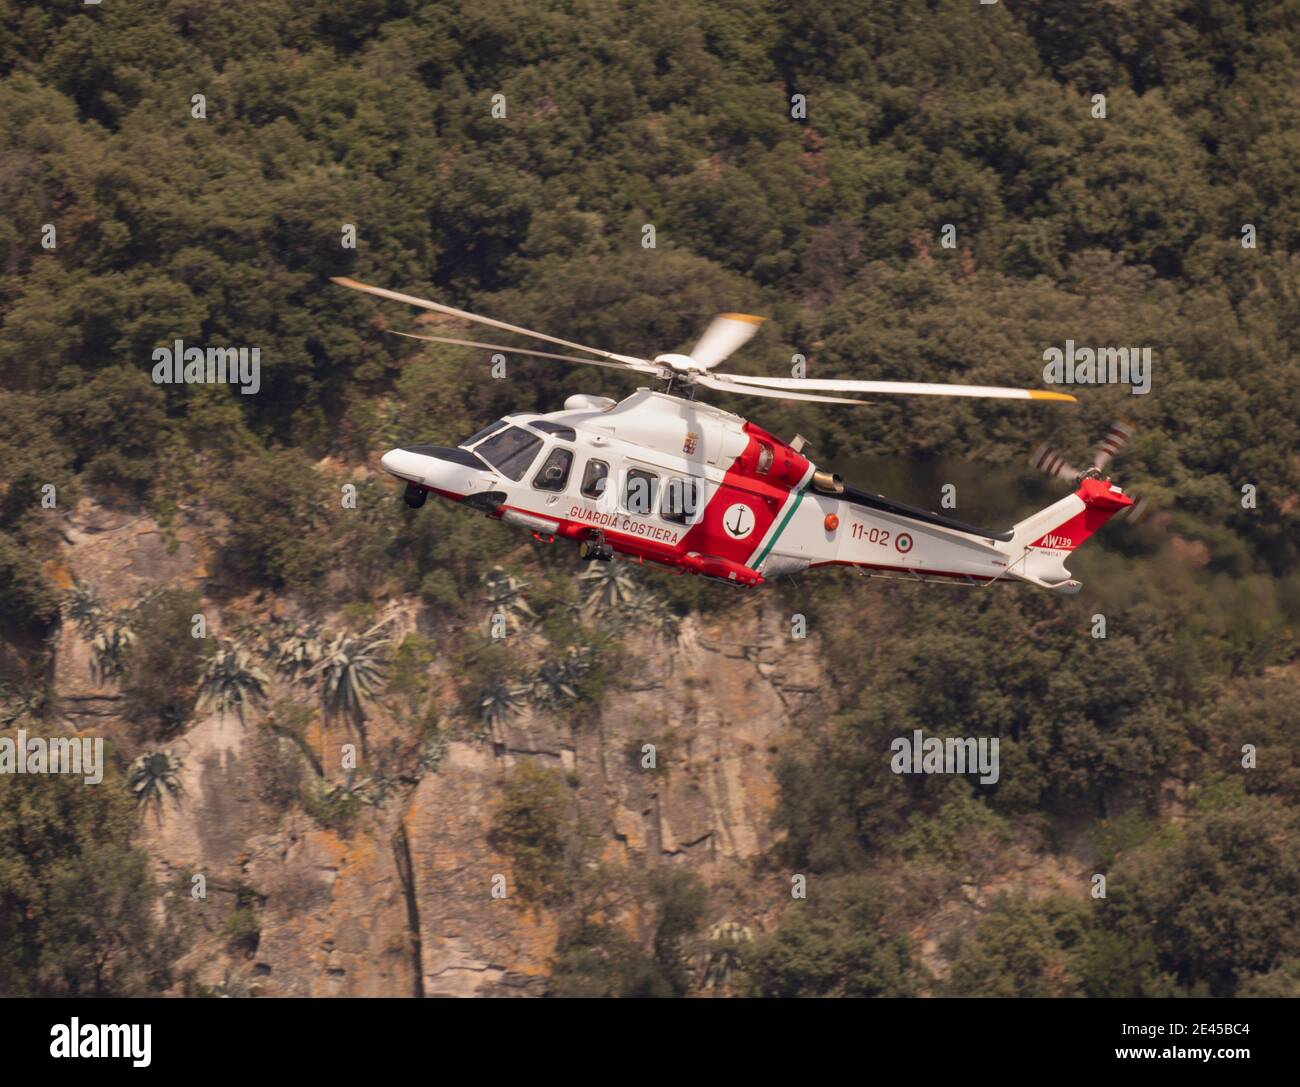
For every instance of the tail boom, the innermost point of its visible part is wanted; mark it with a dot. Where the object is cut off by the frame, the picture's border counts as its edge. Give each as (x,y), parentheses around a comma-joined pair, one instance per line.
(831,531)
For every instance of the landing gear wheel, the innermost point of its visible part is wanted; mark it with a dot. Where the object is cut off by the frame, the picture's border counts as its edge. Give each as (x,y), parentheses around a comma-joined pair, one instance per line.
(415,496)
(596,549)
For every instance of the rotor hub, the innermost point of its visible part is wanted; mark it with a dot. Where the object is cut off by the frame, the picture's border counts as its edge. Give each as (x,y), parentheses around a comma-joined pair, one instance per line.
(682,365)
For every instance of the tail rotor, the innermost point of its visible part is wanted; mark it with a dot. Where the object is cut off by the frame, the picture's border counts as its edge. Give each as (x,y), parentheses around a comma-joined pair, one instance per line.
(1046,460)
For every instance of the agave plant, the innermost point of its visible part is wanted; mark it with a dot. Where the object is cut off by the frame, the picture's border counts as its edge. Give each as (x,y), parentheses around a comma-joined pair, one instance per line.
(651,613)
(352,787)
(608,587)
(82,604)
(552,685)
(336,801)
(504,594)
(352,669)
(296,653)
(499,700)
(153,776)
(723,956)
(110,649)
(557,679)
(232,680)
(432,751)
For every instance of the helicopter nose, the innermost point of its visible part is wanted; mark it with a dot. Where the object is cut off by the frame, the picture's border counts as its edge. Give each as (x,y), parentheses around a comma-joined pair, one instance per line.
(406,465)
(451,472)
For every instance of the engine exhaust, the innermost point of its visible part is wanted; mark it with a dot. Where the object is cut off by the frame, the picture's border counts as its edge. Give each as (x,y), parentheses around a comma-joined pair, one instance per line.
(827,483)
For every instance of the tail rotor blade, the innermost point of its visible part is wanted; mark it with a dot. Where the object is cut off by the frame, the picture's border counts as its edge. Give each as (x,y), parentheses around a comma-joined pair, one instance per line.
(1116,437)
(1137,512)
(1051,462)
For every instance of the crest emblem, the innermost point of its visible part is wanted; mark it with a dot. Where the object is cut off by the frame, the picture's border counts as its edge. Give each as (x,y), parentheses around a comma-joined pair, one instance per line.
(688,446)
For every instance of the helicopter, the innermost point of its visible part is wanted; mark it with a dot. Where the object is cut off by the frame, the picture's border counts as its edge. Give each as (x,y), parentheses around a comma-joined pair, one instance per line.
(662,477)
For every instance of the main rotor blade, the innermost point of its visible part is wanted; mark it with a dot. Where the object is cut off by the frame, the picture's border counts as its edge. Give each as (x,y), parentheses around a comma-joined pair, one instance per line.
(726,332)
(720,382)
(624,366)
(438,307)
(919,388)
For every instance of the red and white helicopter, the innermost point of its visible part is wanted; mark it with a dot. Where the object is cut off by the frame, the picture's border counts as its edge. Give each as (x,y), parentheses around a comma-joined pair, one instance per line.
(670,479)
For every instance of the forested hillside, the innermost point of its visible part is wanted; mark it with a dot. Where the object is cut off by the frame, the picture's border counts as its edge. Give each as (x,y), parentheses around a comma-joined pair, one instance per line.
(823,212)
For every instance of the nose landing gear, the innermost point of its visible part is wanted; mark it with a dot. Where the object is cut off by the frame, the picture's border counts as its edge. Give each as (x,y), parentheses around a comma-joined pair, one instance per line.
(415,496)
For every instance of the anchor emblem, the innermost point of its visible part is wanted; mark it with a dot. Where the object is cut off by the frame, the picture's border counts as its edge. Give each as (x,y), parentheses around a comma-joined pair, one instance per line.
(738,521)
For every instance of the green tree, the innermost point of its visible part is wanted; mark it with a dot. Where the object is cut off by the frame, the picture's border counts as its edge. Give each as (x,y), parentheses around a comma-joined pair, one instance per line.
(1217,899)
(273,503)
(601,961)
(1021,948)
(162,671)
(833,944)
(533,825)
(77,902)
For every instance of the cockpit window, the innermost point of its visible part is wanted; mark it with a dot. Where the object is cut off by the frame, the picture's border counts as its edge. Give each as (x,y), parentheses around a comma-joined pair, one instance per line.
(491,428)
(511,451)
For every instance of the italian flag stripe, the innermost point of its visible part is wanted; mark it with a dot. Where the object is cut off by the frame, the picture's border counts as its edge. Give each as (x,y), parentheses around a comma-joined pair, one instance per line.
(778,526)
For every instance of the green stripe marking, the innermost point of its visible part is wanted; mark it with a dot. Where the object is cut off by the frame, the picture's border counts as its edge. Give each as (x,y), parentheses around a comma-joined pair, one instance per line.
(780,529)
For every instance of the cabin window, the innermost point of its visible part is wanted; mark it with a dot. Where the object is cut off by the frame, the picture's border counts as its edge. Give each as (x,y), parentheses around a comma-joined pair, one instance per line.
(681,500)
(594,478)
(555,472)
(764,459)
(511,452)
(639,494)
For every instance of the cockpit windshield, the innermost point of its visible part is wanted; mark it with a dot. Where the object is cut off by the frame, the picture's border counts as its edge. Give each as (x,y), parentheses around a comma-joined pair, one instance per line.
(511,451)
(491,428)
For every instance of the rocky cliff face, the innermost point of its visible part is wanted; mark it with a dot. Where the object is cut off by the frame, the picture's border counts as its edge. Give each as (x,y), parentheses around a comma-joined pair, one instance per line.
(401,903)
